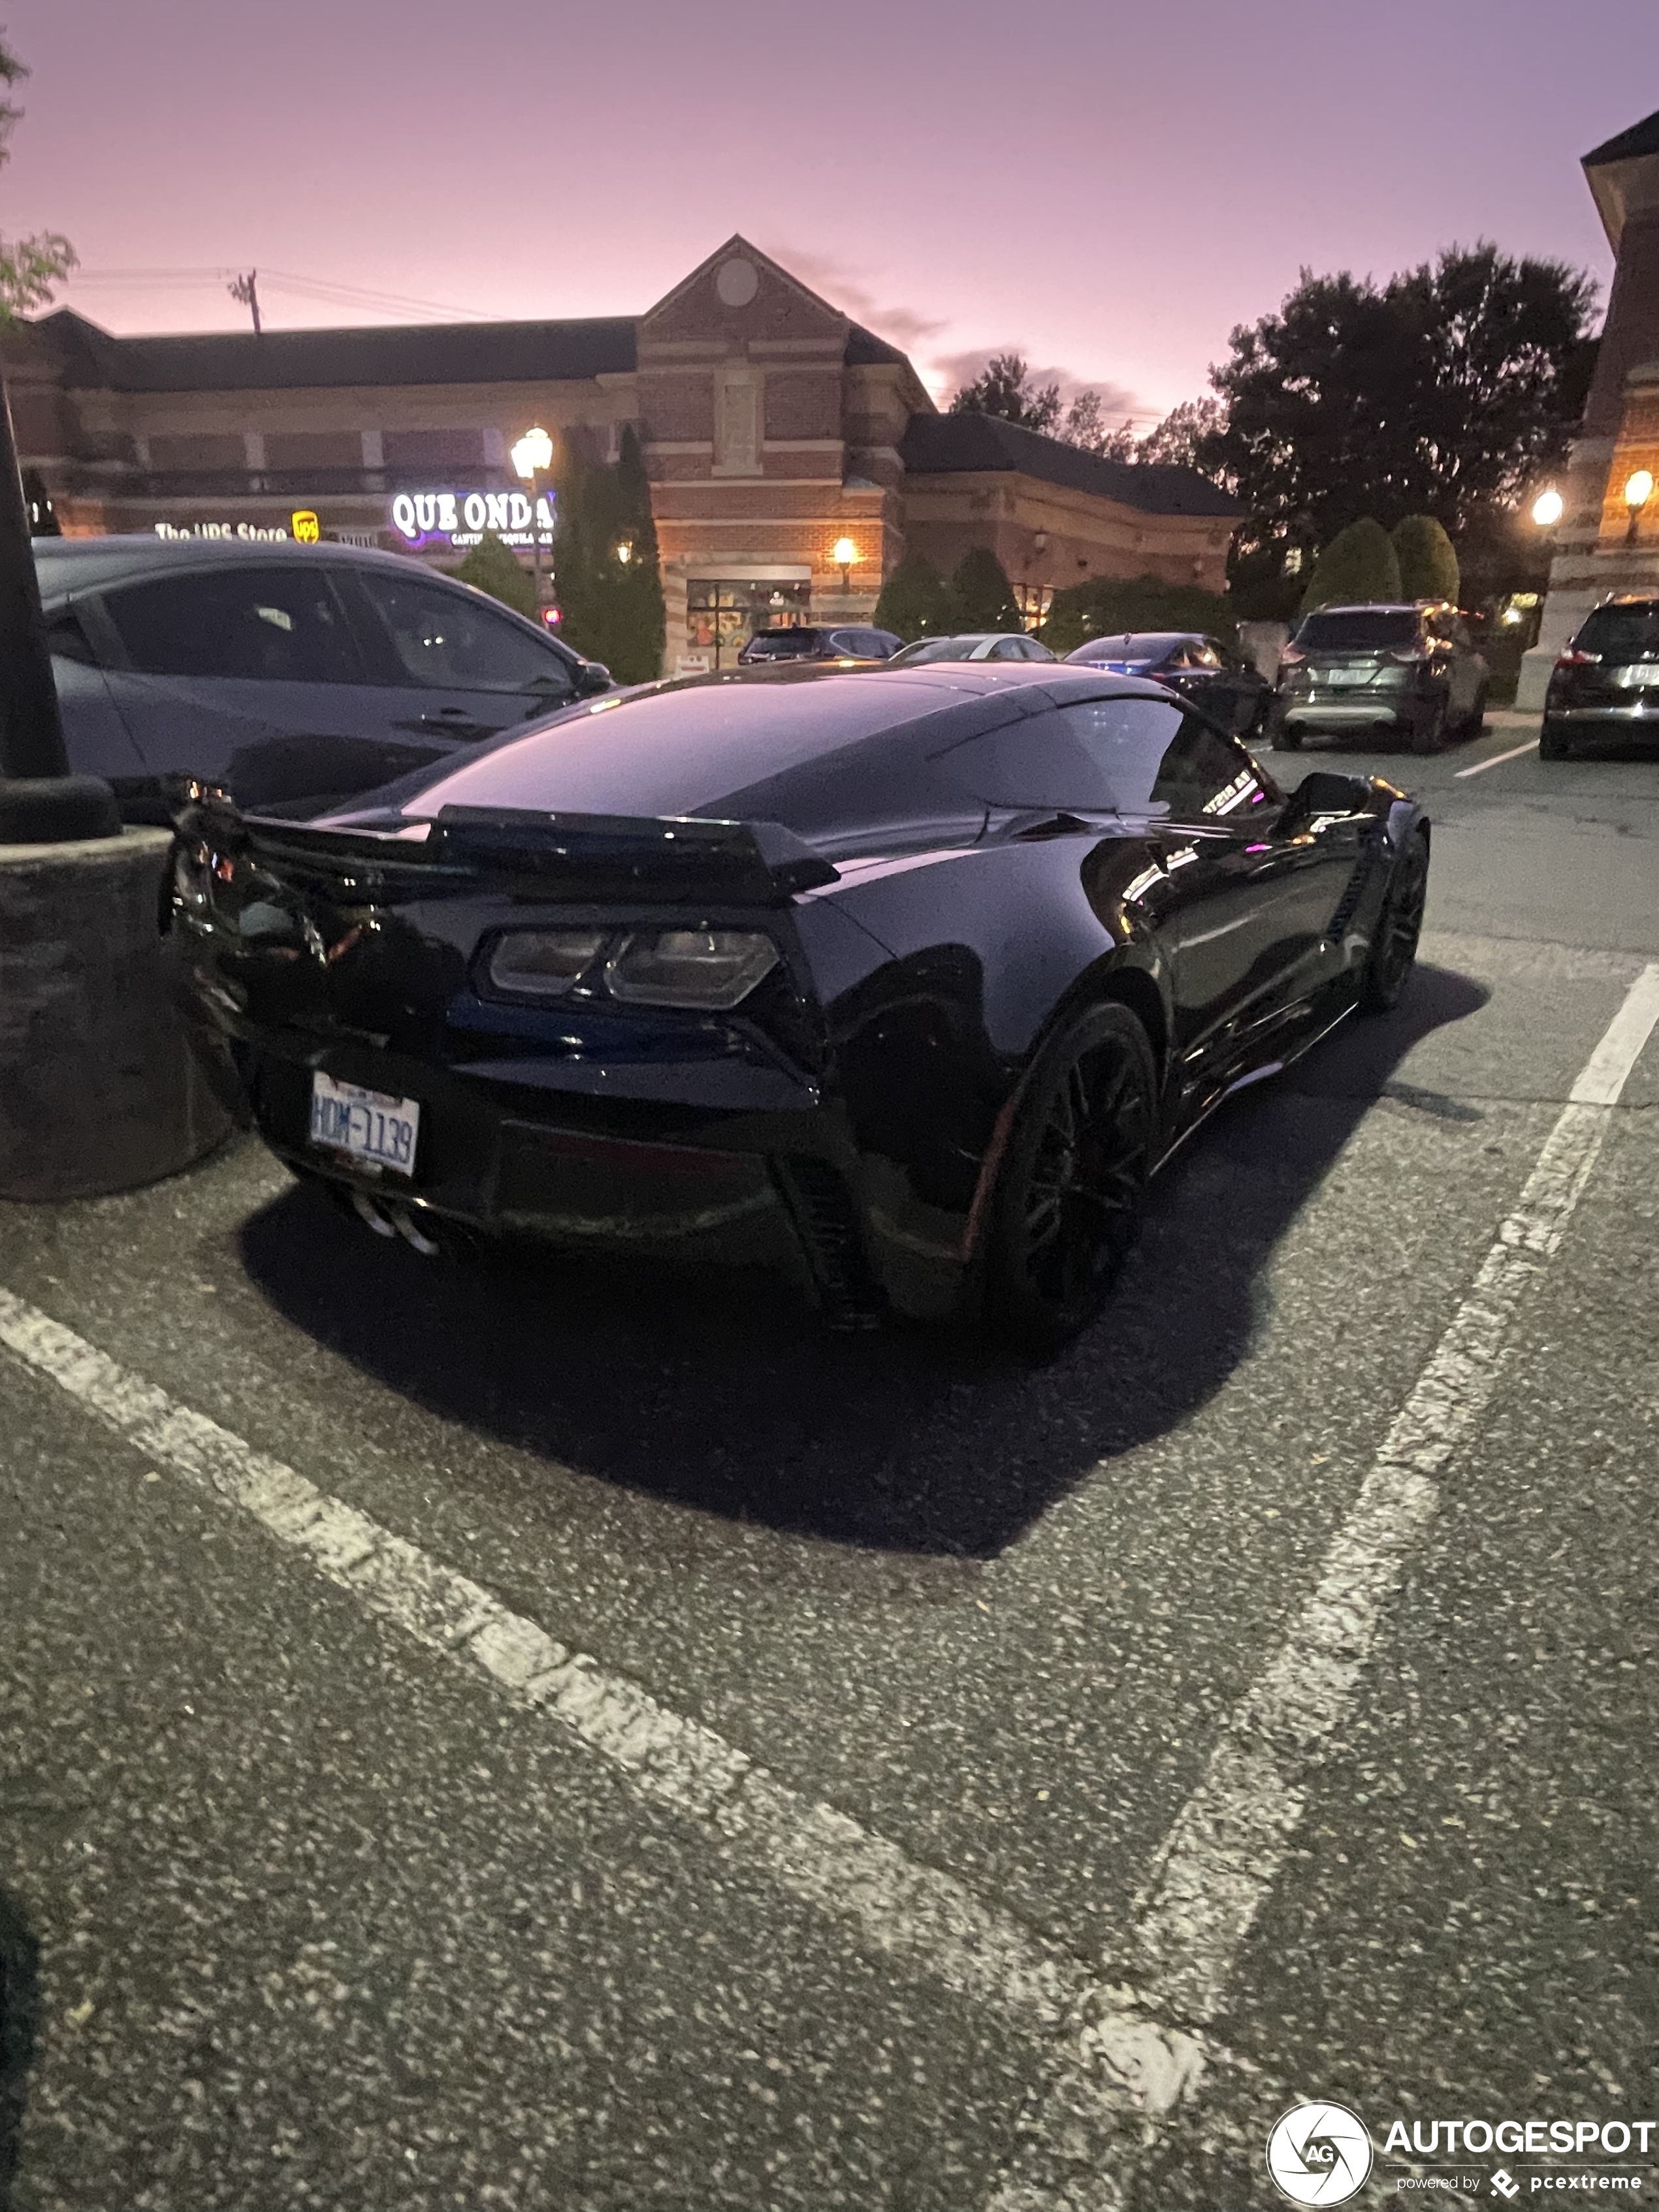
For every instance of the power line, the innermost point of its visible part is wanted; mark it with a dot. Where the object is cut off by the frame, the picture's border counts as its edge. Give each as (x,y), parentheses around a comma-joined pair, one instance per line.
(327,289)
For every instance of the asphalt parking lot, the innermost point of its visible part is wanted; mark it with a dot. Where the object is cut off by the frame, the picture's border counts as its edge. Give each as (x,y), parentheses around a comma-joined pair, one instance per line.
(650,1751)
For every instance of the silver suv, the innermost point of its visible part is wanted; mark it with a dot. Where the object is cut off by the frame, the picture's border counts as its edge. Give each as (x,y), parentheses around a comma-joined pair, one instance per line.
(286,671)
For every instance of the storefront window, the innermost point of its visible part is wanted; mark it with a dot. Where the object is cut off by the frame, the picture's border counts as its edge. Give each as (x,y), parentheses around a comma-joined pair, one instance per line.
(720,615)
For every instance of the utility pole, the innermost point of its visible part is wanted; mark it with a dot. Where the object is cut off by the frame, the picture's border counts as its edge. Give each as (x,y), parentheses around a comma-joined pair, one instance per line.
(247,289)
(31,729)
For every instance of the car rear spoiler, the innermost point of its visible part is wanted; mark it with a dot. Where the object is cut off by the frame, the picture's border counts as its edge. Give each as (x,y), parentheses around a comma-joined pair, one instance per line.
(665,860)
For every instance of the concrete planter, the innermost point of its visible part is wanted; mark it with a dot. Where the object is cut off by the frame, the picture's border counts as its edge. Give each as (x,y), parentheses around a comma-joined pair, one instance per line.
(99,1089)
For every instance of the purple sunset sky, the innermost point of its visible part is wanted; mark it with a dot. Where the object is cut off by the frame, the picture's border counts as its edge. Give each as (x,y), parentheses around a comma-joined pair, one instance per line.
(1109,188)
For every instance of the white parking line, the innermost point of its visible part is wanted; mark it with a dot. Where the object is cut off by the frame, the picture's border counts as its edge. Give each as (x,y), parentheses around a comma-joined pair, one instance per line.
(1224,1853)
(815,1852)
(1514,753)
(1124,2056)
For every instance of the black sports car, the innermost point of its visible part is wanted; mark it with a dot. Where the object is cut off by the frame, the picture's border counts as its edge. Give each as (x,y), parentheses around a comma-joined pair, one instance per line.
(909,978)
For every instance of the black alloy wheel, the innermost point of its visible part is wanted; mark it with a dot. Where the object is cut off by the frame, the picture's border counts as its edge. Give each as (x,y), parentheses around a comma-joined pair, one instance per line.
(1477,718)
(1393,945)
(1552,743)
(1068,1200)
(1287,740)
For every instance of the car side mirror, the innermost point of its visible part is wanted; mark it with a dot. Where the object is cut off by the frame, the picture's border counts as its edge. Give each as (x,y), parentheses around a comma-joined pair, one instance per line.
(593,676)
(1324,792)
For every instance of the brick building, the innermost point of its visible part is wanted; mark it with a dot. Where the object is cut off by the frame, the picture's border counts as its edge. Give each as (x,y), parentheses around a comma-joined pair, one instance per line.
(1599,547)
(773,428)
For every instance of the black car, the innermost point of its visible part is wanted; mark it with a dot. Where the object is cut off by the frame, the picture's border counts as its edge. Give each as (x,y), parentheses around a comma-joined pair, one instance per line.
(1213,675)
(1410,671)
(1605,683)
(284,671)
(905,979)
(810,642)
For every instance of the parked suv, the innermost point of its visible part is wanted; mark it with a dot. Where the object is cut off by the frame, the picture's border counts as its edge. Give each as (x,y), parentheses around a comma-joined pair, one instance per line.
(810,641)
(1606,683)
(286,671)
(1411,670)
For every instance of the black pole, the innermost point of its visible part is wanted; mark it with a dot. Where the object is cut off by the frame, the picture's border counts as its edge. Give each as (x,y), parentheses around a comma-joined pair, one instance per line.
(31,729)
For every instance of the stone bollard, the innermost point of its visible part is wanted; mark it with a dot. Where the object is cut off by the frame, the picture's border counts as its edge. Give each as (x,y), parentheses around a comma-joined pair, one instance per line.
(99,1089)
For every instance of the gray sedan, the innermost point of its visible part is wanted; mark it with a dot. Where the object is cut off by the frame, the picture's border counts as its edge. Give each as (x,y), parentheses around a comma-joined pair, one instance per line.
(286,671)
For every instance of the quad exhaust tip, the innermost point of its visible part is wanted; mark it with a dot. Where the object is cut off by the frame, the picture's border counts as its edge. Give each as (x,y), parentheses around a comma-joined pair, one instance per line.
(392,1220)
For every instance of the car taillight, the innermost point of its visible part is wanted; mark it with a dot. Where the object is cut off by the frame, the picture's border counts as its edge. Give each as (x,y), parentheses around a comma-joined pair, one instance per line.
(713,968)
(543,963)
(1289,657)
(1573,658)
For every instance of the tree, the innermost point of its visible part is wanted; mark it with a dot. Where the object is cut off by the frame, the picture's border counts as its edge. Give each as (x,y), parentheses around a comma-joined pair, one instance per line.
(1449,387)
(916,601)
(1003,388)
(29,267)
(605,561)
(492,566)
(1428,566)
(984,597)
(1107,606)
(640,635)
(1358,565)
(1179,441)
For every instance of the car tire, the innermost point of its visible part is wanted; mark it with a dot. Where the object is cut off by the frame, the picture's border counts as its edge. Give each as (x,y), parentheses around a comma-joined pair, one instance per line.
(1067,1208)
(1394,941)
(1552,743)
(1476,722)
(1431,736)
(1285,740)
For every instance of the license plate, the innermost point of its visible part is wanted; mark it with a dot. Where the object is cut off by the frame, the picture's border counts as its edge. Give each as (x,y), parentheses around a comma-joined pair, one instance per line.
(1349,675)
(369,1127)
(1638,676)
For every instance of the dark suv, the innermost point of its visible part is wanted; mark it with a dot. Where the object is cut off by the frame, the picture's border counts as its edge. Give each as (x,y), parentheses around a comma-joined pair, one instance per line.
(1411,670)
(1606,683)
(808,641)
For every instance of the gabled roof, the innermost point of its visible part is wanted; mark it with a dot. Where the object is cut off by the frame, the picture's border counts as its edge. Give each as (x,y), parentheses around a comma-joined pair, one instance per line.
(426,353)
(1629,145)
(939,445)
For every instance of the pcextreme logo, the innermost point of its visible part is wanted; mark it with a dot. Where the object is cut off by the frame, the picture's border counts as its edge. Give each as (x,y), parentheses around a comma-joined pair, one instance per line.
(1319,2154)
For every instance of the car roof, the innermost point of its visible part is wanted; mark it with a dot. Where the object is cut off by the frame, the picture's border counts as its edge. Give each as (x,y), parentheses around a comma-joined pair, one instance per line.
(78,564)
(765,744)
(1139,637)
(1375,607)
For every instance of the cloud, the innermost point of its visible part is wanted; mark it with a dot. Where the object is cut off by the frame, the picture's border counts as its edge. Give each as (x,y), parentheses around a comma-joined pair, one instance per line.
(942,373)
(901,327)
(945,373)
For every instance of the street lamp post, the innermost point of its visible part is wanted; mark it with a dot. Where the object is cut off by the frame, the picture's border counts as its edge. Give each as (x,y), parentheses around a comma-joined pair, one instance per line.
(532,456)
(1548,509)
(844,553)
(1638,491)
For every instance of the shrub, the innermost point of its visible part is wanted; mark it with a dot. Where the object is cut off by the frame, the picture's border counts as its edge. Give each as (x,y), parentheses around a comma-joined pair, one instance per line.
(1428,566)
(1359,564)
(493,567)
(1105,606)
(916,601)
(984,597)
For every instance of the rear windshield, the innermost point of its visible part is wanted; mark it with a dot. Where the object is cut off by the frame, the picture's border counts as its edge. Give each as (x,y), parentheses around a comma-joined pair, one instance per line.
(939,648)
(691,751)
(1364,629)
(782,644)
(1621,633)
(1145,650)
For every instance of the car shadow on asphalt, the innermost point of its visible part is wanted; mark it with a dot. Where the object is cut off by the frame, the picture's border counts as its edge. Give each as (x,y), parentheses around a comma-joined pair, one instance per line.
(727,1394)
